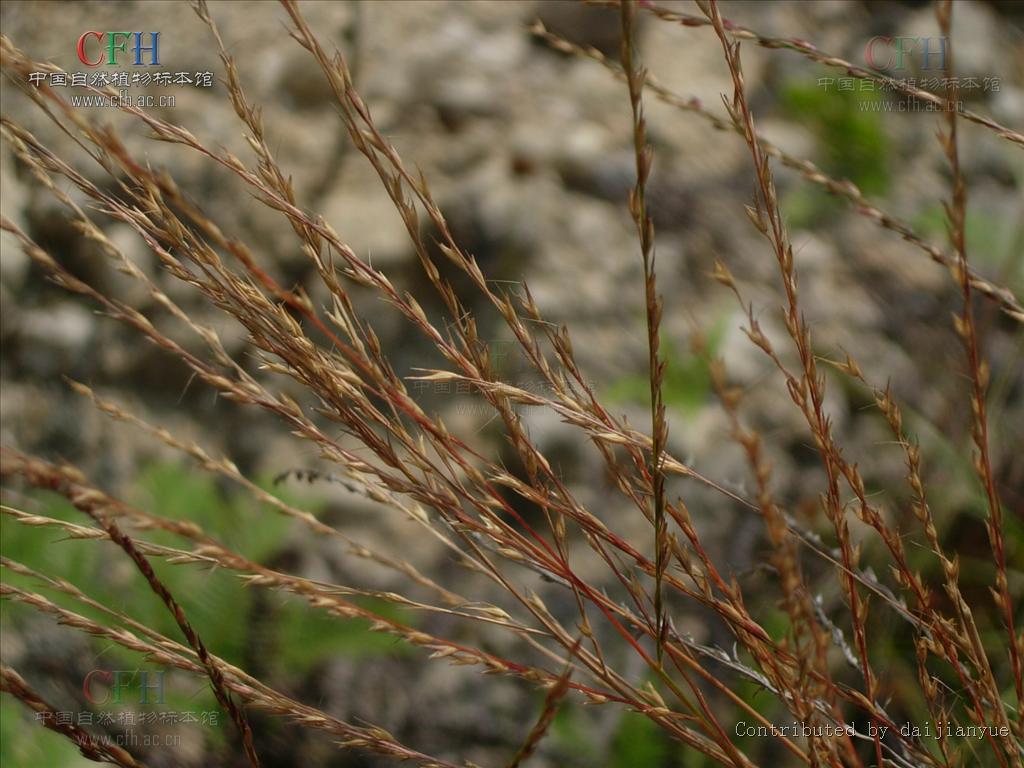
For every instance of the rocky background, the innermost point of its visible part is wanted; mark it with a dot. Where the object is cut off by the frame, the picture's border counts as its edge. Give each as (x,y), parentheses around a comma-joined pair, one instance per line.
(529,153)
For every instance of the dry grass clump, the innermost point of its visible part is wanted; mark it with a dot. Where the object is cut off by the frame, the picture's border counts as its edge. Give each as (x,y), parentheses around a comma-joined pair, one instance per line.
(820,669)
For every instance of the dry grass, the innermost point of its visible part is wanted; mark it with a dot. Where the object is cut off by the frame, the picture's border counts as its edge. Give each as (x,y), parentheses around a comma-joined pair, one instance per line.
(459,493)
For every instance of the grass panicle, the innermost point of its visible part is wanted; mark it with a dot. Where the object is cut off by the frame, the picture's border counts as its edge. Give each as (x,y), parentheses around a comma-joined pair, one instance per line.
(562,601)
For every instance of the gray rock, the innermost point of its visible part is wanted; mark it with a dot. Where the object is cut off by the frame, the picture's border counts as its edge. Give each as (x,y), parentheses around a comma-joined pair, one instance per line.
(66,327)
(584,24)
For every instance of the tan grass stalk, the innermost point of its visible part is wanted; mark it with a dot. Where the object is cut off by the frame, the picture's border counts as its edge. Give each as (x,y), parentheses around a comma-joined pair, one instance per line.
(811,51)
(408,459)
(644,155)
(166,652)
(90,747)
(91,504)
(556,693)
(978,369)
(807,391)
(843,188)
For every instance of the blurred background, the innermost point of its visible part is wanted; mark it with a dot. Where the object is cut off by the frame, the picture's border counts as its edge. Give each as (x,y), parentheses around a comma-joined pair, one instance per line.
(529,153)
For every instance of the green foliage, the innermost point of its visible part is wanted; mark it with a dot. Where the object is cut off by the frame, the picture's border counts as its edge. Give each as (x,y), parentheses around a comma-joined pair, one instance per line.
(639,742)
(687,385)
(570,734)
(995,244)
(850,132)
(173,491)
(215,601)
(23,742)
(308,637)
(805,209)
(76,560)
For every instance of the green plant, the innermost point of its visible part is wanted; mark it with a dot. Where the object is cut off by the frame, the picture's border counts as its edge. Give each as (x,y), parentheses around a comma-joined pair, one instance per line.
(687,384)
(852,133)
